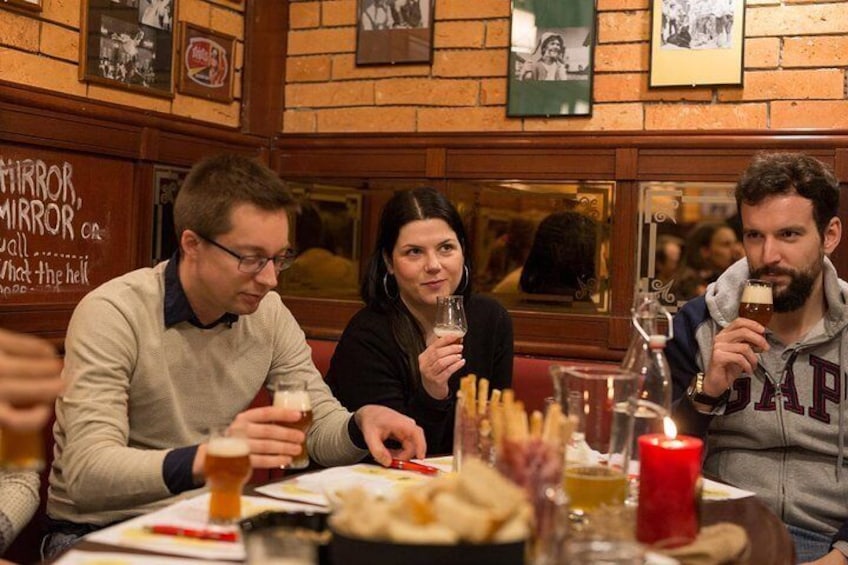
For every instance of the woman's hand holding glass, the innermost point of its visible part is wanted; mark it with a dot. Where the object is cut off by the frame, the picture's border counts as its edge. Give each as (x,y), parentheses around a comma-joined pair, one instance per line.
(442,358)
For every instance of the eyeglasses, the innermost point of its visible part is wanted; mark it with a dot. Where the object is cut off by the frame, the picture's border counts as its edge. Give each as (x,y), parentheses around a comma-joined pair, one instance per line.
(253,264)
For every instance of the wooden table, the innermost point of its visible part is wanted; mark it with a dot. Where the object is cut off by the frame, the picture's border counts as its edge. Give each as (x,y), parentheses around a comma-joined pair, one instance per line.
(770,541)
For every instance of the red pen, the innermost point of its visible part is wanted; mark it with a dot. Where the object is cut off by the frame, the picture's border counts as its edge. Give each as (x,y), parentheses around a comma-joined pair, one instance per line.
(167,530)
(413,466)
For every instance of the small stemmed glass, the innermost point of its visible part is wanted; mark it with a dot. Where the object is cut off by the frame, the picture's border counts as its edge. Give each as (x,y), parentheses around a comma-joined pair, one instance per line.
(450,316)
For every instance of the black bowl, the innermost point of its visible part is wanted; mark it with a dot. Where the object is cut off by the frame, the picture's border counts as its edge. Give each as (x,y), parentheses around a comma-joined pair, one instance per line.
(354,551)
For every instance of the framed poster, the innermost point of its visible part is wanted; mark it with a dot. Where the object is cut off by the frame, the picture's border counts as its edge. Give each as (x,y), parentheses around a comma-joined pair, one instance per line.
(697,42)
(550,59)
(128,44)
(34,5)
(206,63)
(394,31)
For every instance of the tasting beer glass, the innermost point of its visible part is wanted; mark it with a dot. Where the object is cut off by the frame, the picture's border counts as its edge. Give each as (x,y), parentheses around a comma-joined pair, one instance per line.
(227,469)
(756,301)
(292,394)
(595,474)
(450,316)
(21,450)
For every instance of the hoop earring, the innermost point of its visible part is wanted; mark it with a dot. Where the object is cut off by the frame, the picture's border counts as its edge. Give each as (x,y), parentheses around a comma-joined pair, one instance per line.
(386,287)
(465,277)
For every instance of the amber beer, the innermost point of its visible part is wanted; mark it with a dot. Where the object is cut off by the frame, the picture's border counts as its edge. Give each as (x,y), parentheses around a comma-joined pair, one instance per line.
(21,450)
(227,469)
(590,486)
(292,395)
(756,301)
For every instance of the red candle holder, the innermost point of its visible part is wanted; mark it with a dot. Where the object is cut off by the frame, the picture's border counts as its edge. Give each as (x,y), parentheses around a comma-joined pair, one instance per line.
(669,490)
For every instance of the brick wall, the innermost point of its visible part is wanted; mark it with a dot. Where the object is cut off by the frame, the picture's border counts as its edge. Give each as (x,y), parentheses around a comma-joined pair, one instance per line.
(42,50)
(795,62)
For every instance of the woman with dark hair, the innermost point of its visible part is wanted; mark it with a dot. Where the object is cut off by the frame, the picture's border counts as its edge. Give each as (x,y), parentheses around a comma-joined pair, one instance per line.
(562,258)
(388,354)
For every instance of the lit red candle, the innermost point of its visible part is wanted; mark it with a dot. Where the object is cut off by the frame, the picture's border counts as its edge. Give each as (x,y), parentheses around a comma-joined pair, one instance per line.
(669,476)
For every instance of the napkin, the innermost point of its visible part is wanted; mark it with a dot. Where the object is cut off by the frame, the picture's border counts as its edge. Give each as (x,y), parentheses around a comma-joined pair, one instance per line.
(719,543)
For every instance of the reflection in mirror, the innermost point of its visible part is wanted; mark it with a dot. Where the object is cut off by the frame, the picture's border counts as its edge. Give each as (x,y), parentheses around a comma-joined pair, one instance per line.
(539,245)
(688,234)
(325,229)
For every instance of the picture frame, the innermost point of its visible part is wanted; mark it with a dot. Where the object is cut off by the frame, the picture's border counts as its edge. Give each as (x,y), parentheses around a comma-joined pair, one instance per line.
(551,58)
(390,32)
(166,184)
(31,5)
(129,44)
(205,63)
(697,44)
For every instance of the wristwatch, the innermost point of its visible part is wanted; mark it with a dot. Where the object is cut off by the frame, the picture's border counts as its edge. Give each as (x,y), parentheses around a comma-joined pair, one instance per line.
(696,395)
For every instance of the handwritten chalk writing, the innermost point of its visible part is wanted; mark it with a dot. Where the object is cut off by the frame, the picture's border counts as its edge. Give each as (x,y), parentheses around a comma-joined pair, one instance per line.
(39,181)
(90,230)
(15,245)
(13,271)
(39,207)
(37,217)
(69,273)
(9,291)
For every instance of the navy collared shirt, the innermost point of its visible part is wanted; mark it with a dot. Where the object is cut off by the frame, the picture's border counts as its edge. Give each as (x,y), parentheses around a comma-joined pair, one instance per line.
(177,466)
(177,307)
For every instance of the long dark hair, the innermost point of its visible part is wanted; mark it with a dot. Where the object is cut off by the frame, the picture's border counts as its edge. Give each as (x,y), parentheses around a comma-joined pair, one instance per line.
(379,289)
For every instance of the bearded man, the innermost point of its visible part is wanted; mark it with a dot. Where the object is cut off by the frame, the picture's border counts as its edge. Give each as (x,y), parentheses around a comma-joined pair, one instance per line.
(771,400)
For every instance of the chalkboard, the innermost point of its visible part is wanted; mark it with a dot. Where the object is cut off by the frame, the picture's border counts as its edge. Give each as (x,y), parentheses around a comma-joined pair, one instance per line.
(65,224)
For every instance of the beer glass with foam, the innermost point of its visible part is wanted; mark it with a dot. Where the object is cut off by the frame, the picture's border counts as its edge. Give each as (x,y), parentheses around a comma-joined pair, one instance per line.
(292,395)
(21,450)
(756,301)
(227,469)
(450,316)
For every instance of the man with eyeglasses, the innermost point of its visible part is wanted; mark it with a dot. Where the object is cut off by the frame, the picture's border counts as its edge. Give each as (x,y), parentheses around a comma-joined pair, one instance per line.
(159,356)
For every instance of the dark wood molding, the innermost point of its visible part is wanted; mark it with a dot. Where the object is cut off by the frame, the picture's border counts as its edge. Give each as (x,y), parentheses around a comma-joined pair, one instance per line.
(626,159)
(263,97)
(36,117)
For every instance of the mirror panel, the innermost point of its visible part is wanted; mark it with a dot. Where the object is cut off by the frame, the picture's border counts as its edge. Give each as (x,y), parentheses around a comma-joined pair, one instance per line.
(539,245)
(326,229)
(688,234)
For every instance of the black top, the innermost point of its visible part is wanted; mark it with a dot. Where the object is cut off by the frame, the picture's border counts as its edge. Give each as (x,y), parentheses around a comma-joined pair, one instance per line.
(368,367)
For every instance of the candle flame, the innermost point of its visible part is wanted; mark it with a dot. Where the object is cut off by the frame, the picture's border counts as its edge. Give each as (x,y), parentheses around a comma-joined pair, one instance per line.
(670,428)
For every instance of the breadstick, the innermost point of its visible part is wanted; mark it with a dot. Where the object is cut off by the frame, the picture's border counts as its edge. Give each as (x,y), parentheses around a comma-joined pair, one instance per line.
(536,424)
(471,403)
(482,396)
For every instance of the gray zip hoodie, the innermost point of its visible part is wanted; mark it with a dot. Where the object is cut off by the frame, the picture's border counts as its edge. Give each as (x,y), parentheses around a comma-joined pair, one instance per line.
(782,431)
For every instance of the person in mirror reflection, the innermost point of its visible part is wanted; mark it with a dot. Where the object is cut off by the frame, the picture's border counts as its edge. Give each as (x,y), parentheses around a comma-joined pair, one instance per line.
(317,266)
(159,356)
(771,400)
(388,353)
(561,260)
(30,379)
(710,248)
(669,252)
(508,251)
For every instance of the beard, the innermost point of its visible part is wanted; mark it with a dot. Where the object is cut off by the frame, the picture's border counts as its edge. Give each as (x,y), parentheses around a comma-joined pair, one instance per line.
(800,287)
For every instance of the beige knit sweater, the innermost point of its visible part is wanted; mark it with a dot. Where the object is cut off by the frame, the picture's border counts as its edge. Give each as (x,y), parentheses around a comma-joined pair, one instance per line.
(136,389)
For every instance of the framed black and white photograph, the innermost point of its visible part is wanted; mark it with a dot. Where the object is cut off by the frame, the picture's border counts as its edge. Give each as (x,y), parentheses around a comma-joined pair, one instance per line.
(697,42)
(33,5)
(394,31)
(129,44)
(550,60)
